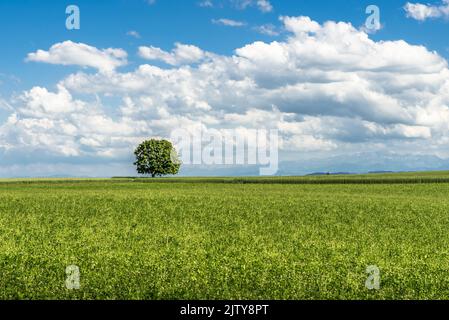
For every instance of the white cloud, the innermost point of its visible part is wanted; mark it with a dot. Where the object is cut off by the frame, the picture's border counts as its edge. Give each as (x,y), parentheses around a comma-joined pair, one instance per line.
(71,53)
(327,88)
(206,4)
(268,29)
(300,25)
(262,5)
(40,103)
(229,22)
(423,12)
(133,34)
(5,105)
(181,54)
(59,125)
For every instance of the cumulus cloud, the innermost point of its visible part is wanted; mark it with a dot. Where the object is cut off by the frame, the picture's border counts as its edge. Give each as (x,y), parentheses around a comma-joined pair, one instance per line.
(331,69)
(326,88)
(423,12)
(181,54)
(80,54)
(58,125)
(301,24)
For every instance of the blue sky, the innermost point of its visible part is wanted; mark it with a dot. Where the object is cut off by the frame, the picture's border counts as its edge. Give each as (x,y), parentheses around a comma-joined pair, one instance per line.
(29,26)
(33,24)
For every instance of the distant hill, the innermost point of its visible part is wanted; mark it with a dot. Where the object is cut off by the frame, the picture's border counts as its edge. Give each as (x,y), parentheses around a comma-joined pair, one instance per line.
(377,172)
(328,174)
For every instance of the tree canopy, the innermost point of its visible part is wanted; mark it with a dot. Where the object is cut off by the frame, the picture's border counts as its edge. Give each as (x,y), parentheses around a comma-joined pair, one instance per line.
(157,158)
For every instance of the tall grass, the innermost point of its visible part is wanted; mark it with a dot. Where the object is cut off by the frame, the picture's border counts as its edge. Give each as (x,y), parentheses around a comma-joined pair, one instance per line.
(136,240)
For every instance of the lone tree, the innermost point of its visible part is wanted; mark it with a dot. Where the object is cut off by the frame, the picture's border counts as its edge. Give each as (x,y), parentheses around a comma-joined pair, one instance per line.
(157,157)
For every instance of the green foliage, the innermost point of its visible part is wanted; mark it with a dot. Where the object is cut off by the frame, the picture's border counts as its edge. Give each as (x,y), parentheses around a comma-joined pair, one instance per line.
(157,158)
(197,240)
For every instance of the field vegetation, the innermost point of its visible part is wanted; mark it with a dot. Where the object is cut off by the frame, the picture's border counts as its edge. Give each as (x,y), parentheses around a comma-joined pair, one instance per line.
(226,238)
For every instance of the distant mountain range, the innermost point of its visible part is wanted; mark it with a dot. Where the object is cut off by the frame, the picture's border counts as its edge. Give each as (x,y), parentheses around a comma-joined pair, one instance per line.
(347,173)
(360,163)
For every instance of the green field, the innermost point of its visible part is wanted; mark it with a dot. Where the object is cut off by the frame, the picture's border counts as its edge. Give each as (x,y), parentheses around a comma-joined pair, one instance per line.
(226,238)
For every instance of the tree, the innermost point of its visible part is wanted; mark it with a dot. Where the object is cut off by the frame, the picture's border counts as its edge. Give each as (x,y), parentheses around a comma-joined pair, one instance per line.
(157,157)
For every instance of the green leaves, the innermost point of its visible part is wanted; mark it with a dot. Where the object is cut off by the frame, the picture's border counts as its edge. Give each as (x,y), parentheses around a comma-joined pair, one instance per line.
(157,158)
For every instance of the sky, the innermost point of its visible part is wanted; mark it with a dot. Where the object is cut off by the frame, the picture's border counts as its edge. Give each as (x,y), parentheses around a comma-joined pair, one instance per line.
(343,97)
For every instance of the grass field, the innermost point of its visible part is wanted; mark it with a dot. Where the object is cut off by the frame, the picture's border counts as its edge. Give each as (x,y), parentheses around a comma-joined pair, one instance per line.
(230,238)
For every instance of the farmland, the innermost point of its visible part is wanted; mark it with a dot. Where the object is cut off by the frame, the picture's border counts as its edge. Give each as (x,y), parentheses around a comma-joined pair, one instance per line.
(226,238)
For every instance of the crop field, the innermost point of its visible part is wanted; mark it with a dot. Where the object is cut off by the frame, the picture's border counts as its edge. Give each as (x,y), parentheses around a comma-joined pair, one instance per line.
(226,238)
